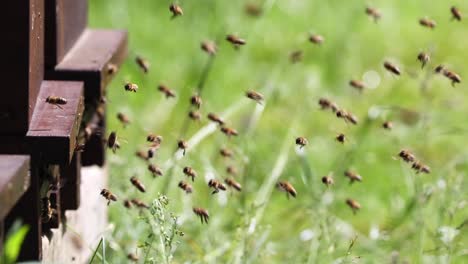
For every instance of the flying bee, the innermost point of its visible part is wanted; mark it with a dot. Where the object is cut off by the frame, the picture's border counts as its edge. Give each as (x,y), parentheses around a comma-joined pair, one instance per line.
(137,184)
(231,170)
(353,204)
(112,69)
(254,10)
(142,63)
(341,138)
(420,167)
(112,142)
(155,170)
(455,78)
(257,97)
(194,115)
(296,56)
(456,14)
(426,22)
(215,118)
(108,195)
(166,91)
(56,100)
(128,204)
(440,69)
(188,171)
(286,187)
(216,185)
(327,180)
(392,68)
(133,257)
(47,212)
(316,39)
(229,131)
(185,186)
(226,153)
(327,104)
(232,183)
(358,85)
(196,101)
(154,138)
(139,203)
(353,176)
(406,155)
(202,213)
(142,155)
(151,151)
(302,142)
(176,10)
(387,125)
(209,47)
(123,119)
(374,13)
(183,145)
(235,40)
(131,87)
(423,58)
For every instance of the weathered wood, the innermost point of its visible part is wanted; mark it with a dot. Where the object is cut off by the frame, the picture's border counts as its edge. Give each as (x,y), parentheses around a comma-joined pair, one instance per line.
(54,128)
(71,182)
(22,62)
(95,149)
(14,181)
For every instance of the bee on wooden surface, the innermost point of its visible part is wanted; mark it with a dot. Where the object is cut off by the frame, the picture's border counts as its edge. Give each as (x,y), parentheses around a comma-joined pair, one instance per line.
(196,101)
(327,104)
(455,78)
(176,10)
(137,184)
(215,118)
(286,187)
(316,39)
(112,142)
(358,85)
(202,213)
(235,40)
(56,100)
(353,176)
(183,145)
(155,170)
(387,125)
(166,91)
(257,97)
(426,22)
(456,14)
(188,171)
(154,138)
(141,154)
(353,204)
(327,180)
(123,119)
(139,203)
(131,87)
(112,69)
(133,257)
(392,68)
(128,204)
(209,47)
(185,186)
(423,58)
(231,170)
(296,56)
(229,131)
(108,195)
(420,167)
(406,155)
(216,185)
(302,142)
(232,183)
(227,153)
(374,13)
(142,63)
(47,212)
(252,9)
(194,115)
(341,138)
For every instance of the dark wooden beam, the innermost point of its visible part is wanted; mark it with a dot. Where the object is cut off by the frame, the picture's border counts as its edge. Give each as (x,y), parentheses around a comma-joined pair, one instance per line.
(71,182)
(14,181)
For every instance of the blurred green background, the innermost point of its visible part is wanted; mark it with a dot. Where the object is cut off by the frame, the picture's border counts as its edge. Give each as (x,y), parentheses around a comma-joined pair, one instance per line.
(405,216)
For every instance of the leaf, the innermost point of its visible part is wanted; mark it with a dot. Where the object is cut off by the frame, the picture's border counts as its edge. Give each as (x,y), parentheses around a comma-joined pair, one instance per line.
(13,244)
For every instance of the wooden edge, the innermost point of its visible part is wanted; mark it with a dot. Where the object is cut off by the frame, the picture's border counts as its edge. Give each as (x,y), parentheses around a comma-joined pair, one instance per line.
(14,181)
(70,176)
(95,149)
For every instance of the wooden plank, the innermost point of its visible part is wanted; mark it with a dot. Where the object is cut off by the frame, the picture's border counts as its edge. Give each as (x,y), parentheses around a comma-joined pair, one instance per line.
(22,62)
(54,128)
(89,58)
(71,182)
(14,181)
(95,150)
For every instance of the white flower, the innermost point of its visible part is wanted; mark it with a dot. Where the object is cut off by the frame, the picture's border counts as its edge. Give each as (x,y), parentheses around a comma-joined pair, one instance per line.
(447,234)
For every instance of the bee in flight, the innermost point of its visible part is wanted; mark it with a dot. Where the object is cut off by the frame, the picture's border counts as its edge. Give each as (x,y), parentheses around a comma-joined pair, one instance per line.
(392,68)
(316,39)
(227,153)
(426,22)
(155,170)
(108,195)
(181,144)
(189,172)
(353,176)
(194,115)
(216,185)
(353,204)
(196,101)
(234,184)
(215,118)
(341,138)
(327,180)
(139,203)
(137,183)
(374,13)
(209,47)
(202,213)
(286,187)
(123,119)
(423,58)
(257,97)
(142,63)
(387,125)
(112,142)
(185,186)
(131,87)
(229,131)
(302,142)
(456,14)
(166,91)
(235,40)
(176,10)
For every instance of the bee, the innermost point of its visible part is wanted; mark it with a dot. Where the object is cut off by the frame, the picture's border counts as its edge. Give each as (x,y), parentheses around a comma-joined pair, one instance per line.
(341,138)
(123,119)
(133,257)
(348,117)
(235,40)
(216,185)
(176,10)
(229,131)
(353,204)
(141,154)
(215,118)
(327,104)
(137,184)
(111,68)
(209,47)
(194,115)
(327,180)
(196,101)
(426,22)
(142,63)
(406,155)
(183,145)
(440,69)
(423,58)
(455,78)
(456,14)
(374,13)
(188,171)
(151,151)
(286,187)
(257,97)
(316,39)
(155,170)
(108,195)
(56,100)
(296,56)
(166,91)
(353,176)
(392,68)
(231,170)
(80,147)
(358,85)
(420,167)
(47,212)
(112,142)
(387,125)
(202,213)
(139,203)
(232,183)
(253,9)
(302,142)
(131,87)
(154,138)
(185,186)
(226,153)
(128,204)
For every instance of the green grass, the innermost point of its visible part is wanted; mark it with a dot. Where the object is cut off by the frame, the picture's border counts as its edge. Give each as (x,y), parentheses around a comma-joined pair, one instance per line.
(403,214)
